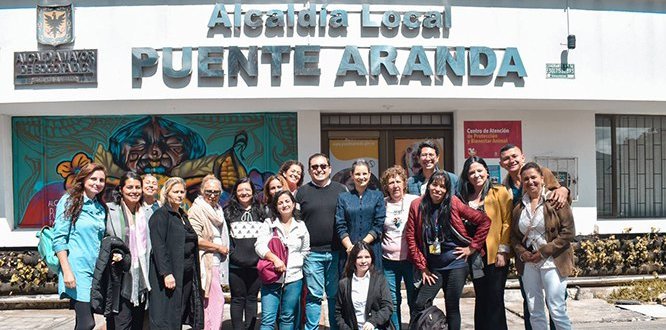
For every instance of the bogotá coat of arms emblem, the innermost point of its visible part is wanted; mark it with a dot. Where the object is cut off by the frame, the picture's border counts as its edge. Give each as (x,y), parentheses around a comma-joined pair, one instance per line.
(55,24)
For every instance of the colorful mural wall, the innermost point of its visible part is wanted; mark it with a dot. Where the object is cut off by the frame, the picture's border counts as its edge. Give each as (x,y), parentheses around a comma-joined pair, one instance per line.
(49,151)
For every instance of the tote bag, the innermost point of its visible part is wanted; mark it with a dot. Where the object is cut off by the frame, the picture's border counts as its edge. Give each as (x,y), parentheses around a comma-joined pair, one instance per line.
(266,268)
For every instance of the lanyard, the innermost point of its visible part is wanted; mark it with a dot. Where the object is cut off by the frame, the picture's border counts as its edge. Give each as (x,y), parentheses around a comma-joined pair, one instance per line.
(434,229)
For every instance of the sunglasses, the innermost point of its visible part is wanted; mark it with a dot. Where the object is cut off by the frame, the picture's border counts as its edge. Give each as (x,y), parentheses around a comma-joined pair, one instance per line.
(318,166)
(212,192)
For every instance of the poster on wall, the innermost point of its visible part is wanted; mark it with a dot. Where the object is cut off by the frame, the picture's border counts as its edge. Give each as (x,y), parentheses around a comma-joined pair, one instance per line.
(49,152)
(407,154)
(344,152)
(494,173)
(485,138)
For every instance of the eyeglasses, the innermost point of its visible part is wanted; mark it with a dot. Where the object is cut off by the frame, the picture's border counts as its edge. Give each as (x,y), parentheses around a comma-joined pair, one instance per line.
(212,192)
(318,166)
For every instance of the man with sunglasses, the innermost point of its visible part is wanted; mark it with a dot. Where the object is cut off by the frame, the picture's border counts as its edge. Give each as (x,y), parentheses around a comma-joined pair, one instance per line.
(318,201)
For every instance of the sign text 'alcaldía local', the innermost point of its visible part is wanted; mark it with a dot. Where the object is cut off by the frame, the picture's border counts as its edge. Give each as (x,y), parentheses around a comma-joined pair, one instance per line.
(476,61)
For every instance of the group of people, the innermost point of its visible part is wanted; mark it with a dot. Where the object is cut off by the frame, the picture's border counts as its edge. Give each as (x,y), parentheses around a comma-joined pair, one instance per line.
(354,247)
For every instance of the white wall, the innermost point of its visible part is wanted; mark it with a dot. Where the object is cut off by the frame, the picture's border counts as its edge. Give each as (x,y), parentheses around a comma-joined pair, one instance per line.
(309,137)
(557,134)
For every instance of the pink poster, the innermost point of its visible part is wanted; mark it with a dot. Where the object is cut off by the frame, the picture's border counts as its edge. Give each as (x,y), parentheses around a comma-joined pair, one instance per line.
(486,138)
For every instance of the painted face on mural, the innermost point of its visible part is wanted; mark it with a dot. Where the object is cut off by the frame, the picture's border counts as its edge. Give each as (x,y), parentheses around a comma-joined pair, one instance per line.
(157,150)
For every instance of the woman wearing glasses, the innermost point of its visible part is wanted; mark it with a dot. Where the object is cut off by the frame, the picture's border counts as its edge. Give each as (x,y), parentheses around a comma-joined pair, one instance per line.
(394,245)
(207,218)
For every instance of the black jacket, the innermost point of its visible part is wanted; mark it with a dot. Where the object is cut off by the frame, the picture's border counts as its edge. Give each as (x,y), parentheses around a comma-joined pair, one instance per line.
(108,277)
(378,306)
(167,236)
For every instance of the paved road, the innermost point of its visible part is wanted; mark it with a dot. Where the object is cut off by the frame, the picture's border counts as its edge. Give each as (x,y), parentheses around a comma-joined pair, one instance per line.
(585,314)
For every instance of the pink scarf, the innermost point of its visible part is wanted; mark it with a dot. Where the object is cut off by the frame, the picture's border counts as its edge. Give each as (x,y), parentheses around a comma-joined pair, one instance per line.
(139,248)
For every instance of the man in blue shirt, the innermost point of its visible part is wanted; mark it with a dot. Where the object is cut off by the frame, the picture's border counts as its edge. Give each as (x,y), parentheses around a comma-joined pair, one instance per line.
(428,159)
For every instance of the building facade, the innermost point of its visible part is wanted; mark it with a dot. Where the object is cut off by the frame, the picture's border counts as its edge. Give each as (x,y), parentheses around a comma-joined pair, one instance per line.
(192,87)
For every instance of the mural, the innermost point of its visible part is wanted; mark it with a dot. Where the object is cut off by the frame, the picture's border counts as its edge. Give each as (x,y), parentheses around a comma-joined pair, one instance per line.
(49,151)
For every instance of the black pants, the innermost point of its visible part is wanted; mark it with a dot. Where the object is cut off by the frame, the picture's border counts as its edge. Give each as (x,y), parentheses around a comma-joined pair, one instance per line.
(84,315)
(452,282)
(489,313)
(186,302)
(244,284)
(129,317)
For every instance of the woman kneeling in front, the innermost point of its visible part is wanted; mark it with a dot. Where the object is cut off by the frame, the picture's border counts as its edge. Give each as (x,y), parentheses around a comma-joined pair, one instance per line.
(363,300)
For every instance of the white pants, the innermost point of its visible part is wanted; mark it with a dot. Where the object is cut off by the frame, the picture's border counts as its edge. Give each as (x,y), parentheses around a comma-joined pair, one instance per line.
(536,281)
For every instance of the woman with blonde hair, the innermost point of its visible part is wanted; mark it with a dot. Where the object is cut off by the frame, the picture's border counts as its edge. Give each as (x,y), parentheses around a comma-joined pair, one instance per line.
(78,232)
(175,296)
(207,218)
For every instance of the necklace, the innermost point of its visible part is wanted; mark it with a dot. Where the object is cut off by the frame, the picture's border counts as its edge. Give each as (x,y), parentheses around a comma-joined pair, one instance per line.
(396,213)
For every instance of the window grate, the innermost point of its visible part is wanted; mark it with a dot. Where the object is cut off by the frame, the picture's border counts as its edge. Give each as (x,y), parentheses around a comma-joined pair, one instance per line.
(396,119)
(631,156)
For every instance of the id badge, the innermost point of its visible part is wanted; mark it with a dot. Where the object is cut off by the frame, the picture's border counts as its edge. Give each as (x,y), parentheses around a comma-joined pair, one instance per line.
(435,248)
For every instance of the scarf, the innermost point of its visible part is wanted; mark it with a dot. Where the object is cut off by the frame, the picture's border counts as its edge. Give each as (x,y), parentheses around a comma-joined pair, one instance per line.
(139,245)
(202,211)
(292,186)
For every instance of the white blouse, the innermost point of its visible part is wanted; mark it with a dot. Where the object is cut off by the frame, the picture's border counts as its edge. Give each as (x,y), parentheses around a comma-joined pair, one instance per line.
(533,226)
(359,296)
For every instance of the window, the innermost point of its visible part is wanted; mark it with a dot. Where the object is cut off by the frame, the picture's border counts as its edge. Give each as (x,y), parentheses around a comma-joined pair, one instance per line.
(631,158)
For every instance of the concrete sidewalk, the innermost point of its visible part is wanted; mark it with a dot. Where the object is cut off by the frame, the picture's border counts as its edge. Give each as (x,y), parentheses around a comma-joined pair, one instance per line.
(585,314)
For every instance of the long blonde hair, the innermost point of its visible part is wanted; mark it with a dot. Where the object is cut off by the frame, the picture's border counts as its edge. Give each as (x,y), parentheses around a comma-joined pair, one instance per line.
(168,185)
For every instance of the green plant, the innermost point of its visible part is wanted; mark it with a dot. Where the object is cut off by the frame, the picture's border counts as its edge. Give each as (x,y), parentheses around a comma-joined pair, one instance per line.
(644,291)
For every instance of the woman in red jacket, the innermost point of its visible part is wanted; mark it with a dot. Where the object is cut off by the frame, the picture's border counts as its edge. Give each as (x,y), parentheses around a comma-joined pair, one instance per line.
(439,244)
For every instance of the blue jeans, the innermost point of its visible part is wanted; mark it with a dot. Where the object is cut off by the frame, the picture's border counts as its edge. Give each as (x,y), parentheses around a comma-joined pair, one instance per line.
(395,272)
(321,276)
(286,299)
(546,284)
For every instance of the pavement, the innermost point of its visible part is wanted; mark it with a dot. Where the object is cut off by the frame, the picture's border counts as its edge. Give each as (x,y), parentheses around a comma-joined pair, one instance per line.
(585,314)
